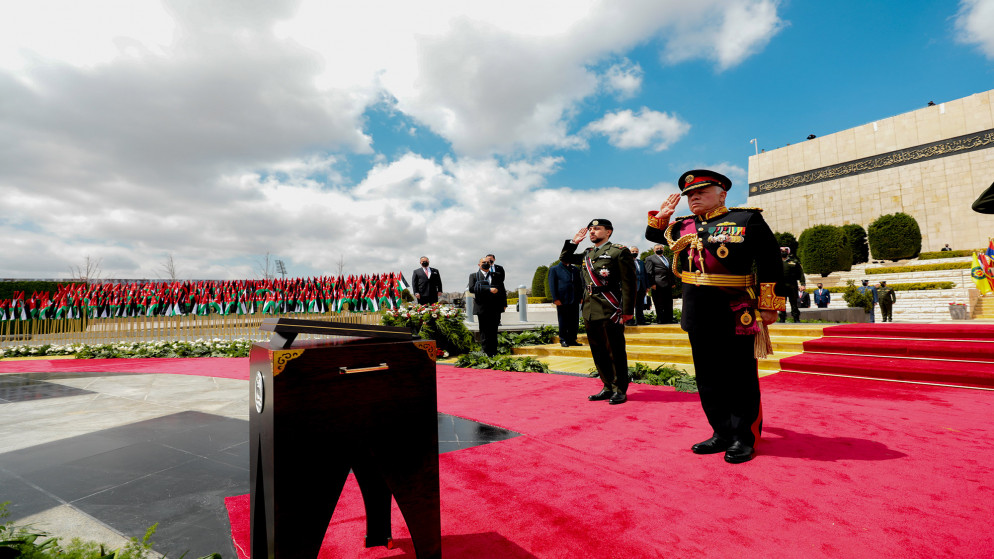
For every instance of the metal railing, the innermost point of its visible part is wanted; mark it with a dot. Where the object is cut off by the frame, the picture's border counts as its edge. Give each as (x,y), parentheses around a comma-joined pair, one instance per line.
(98,331)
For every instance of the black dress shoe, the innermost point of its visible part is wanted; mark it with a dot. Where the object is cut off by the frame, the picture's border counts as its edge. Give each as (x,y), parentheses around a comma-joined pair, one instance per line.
(738,453)
(564,344)
(618,398)
(602,395)
(714,445)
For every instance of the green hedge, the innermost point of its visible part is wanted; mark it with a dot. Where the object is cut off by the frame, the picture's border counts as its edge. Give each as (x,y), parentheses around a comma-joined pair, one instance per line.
(824,249)
(894,237)
(920,286)
(7,288)
(925,268)
(531,301)
(947,254)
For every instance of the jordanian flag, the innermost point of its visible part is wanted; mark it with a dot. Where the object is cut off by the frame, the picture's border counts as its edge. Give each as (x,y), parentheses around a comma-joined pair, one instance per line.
(979,275)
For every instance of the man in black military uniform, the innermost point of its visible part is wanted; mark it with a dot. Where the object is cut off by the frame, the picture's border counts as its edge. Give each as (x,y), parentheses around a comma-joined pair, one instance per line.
(608,302)
(725,307)
(887,300)
(793,275)
(657,267)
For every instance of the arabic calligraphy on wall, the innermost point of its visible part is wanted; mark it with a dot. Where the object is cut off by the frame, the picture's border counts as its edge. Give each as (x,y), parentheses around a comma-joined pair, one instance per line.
(917,154)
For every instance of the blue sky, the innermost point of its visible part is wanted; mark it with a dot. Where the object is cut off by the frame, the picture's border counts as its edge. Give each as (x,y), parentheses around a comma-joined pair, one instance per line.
(333,134)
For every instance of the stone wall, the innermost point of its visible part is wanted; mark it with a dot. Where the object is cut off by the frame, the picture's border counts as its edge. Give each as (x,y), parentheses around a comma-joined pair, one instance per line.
(931,163)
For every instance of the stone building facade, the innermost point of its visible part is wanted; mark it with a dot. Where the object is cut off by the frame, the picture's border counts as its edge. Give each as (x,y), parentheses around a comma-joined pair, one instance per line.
(931,163)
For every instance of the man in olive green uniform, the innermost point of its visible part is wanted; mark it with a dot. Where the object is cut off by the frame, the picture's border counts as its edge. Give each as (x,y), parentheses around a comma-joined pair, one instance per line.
(608,302)
(725,306)
(792,275)
(887,299)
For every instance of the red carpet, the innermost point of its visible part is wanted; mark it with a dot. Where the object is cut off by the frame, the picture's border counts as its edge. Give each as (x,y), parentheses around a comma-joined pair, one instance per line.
(954,354)
(222,367)
(848,468)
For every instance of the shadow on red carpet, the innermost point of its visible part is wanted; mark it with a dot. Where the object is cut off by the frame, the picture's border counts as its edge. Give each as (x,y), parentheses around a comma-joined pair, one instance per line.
(848,468)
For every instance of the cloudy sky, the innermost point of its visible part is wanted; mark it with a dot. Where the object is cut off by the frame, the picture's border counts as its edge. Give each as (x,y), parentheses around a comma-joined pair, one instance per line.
(365,134)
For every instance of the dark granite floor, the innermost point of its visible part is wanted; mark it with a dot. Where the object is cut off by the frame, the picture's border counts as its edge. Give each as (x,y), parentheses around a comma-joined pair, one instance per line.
(174,470)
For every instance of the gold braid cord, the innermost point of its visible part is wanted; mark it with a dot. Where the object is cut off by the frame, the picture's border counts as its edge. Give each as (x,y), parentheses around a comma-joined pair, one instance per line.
(690,240)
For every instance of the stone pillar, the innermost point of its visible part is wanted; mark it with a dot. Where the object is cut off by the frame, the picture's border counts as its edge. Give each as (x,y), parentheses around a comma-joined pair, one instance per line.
(522,304)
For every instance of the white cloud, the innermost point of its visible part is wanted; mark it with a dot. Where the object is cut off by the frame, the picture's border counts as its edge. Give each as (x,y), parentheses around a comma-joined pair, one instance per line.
(219,131)
(975,23)
(647,128)
(624,79)
(743,29)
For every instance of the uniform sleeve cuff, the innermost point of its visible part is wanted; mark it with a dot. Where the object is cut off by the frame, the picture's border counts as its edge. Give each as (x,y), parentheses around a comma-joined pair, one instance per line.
(655,222)
(768,300)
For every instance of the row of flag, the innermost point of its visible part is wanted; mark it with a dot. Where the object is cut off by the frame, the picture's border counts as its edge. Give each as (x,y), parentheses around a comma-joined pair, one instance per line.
(274,296)
(982,270)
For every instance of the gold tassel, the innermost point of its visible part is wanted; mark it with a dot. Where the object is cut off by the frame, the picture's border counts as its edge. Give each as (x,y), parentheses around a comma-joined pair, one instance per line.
(763,345)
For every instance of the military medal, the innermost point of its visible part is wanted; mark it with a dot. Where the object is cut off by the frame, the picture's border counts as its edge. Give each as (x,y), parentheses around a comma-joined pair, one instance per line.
(722,251)
(746,318)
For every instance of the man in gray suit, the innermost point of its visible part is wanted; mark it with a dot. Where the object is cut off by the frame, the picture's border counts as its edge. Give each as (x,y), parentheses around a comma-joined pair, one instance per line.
(657,267)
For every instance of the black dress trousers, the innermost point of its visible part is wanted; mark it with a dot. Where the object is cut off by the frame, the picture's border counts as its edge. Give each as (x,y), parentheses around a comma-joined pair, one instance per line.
(728,383)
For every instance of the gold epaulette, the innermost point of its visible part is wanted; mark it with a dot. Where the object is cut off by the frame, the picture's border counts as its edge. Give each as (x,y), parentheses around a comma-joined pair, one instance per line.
(746,208)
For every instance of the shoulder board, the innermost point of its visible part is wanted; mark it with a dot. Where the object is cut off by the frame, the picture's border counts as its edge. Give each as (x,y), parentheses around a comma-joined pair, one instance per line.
(682,217)
(746,208)
(622,247)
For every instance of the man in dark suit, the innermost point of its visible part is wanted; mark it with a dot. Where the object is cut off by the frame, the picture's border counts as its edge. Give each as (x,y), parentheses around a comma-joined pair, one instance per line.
(822,297)
(641,285)
(491,300)
(427,283)
(657,267)
(495,267)
(566,290)
(803,298)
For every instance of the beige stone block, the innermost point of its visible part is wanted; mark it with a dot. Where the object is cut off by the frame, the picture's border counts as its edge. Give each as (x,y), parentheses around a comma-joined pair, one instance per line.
(884,137)
(977,109)
(829,150)
(952,119)
(780,165)
(795,158)
(927,123)
(811,152)
(866,144)
(752,174)
(845,142)
(905,131)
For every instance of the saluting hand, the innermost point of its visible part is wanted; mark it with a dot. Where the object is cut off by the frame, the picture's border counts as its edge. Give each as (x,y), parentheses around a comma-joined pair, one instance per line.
(578,238)
(668,206)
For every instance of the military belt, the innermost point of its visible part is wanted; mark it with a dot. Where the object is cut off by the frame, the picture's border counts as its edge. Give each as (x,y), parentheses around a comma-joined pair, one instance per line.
(718,280)
(595,289)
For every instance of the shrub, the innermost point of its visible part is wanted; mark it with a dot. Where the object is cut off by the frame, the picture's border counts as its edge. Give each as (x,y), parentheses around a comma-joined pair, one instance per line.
(824,249)
(947,254)
(856,299)
(895,237)
(539,280)
(919,286)
(924,268)
(856,236)
(663,376)
(477,360)
(788,240)
(506,341)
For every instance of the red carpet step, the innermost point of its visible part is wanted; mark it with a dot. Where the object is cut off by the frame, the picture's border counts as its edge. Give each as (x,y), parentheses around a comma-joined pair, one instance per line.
(956,354)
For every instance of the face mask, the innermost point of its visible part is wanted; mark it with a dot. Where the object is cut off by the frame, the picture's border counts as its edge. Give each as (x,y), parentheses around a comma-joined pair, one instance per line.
(424,264)
(485,265)
(659,252)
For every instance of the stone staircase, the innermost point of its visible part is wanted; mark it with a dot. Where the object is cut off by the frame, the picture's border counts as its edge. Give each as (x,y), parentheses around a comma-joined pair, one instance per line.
(668,345)
(983,309)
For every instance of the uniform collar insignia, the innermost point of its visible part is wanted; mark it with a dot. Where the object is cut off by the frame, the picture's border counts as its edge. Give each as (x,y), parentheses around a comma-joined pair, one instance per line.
(720,210)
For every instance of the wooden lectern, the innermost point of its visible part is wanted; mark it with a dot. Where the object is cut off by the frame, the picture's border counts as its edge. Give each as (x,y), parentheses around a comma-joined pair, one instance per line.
(364,401)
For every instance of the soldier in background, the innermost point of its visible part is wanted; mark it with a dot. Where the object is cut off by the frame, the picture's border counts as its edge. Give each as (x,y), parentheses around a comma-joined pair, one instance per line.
(887,299)
(793,275)
(725,307)
(608,302)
